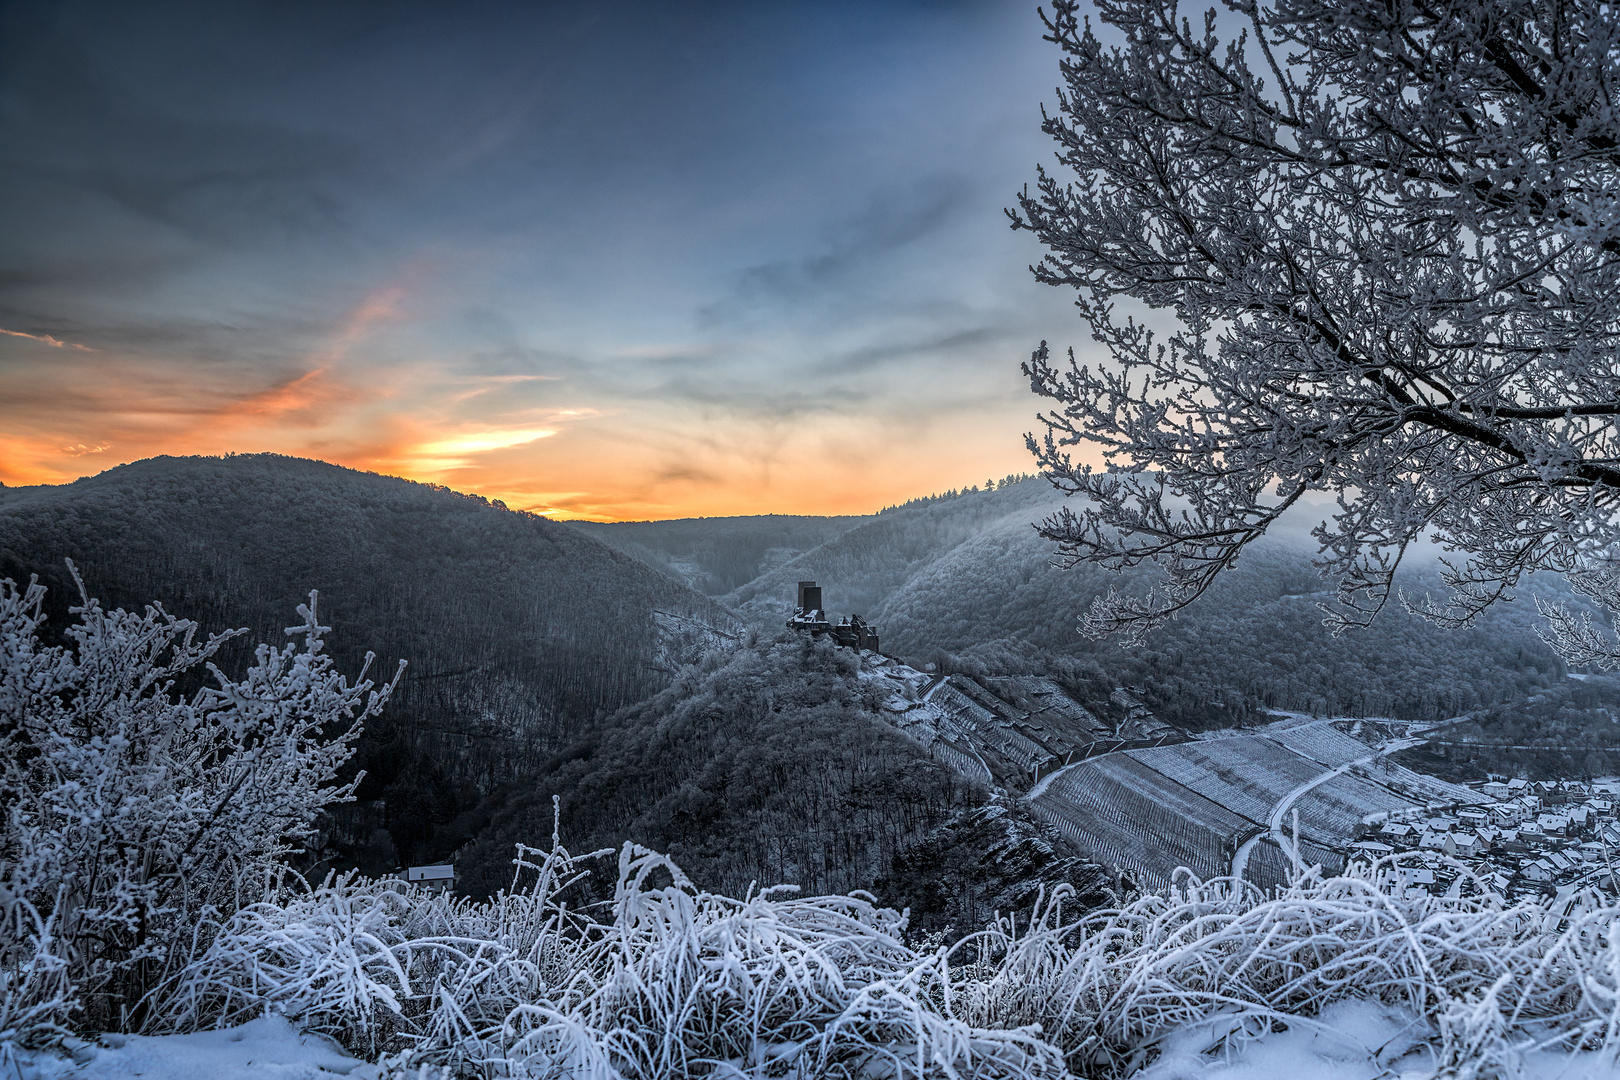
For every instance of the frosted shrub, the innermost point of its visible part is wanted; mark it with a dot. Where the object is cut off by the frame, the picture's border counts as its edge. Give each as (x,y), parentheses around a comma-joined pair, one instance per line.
(1109,986)
(675,982)
(135,813)
(669,980)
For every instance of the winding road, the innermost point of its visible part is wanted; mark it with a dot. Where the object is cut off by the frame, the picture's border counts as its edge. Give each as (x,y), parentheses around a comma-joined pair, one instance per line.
(1240,858)
(1274,829)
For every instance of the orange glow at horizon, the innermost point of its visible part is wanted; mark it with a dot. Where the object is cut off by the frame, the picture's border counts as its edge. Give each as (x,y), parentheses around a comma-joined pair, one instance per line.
(563,472)
(71,412)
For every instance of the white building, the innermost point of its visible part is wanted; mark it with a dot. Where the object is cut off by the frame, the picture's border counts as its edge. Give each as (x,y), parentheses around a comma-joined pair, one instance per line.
(437,878)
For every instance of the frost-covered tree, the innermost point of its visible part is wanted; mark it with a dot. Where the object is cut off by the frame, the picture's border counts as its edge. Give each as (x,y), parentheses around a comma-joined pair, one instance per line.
(1389,233)
(136,812)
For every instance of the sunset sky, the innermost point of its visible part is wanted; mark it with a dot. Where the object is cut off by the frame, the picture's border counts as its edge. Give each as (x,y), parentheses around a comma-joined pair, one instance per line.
(607,261)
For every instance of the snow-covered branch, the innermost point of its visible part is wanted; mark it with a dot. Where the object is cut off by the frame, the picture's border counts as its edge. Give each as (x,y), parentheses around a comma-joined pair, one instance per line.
(1391,239)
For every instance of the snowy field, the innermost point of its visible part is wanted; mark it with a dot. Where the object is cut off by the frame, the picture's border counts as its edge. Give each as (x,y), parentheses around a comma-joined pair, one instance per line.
(1350,1040)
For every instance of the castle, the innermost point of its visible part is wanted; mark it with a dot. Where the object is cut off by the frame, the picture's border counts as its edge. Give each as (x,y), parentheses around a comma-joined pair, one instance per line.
(852,631)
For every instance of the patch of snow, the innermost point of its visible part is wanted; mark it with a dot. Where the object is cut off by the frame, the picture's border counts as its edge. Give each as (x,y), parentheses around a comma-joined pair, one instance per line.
(1350,1040)
(268,1048)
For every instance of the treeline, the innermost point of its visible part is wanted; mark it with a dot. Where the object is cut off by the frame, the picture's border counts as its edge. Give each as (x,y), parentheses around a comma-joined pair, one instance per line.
(953,493)
(967,584)
(1570,729)
(1255,643)
(519,632)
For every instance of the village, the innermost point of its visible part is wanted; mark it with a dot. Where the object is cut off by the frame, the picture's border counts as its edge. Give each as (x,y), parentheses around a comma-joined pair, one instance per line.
(1552,839)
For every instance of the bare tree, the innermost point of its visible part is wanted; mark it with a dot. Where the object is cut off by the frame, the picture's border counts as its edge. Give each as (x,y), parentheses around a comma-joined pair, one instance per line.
(1390,235)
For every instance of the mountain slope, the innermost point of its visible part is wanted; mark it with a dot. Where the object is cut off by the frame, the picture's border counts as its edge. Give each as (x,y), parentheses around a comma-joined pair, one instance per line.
(862,568)
(774,764)
(716,555)
(519,631)
(967,584)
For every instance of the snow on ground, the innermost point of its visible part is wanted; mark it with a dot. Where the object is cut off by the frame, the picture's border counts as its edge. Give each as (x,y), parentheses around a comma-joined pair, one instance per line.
(1349,1040)
(268,1048)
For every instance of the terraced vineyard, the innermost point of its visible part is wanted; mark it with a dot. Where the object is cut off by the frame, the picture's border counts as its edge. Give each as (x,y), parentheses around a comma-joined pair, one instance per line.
(1046,704)
(1154,809)
(1428,788)
(1320,743)
(1140,819)
(1216,775)
(1191,804)
(1331,811)
(964,763)
(1269,866)
(968,719)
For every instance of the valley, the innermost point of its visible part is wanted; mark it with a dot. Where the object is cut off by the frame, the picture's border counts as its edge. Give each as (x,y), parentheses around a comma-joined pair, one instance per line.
(641,673)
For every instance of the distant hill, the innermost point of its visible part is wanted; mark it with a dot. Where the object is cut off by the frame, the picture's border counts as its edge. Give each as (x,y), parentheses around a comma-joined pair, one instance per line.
(716,555)
(966,583)
(863,567)
(519,631)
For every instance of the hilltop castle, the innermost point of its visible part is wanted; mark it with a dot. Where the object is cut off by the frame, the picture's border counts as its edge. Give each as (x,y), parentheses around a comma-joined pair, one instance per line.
(852,631)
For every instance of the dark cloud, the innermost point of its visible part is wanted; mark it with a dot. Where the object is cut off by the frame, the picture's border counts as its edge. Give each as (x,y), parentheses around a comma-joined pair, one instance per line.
(892,222)
(686,474)
(973,340)
(774,403)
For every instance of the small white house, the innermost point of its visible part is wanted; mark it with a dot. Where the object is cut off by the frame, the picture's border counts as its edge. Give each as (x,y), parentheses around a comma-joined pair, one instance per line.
(438,878)
(1497,790)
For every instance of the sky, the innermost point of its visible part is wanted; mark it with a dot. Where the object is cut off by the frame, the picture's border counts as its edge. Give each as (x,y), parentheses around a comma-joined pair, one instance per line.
(596,260)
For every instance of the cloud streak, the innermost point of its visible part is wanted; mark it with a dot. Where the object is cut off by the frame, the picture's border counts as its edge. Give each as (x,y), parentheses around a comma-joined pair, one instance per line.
(46,339)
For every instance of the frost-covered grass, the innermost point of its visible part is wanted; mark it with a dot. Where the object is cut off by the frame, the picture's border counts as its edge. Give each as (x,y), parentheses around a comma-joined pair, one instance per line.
(1110,987)
(669,980)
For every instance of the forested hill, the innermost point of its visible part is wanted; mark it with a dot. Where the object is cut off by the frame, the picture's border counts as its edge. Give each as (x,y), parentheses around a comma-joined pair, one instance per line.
(717,555)
(519,631)
(862,568)
(777,763)
(966,583)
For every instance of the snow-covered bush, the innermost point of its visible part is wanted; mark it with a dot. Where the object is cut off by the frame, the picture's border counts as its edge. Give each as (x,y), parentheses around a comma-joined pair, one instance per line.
(136,812)
(1109,987)
(672,981)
